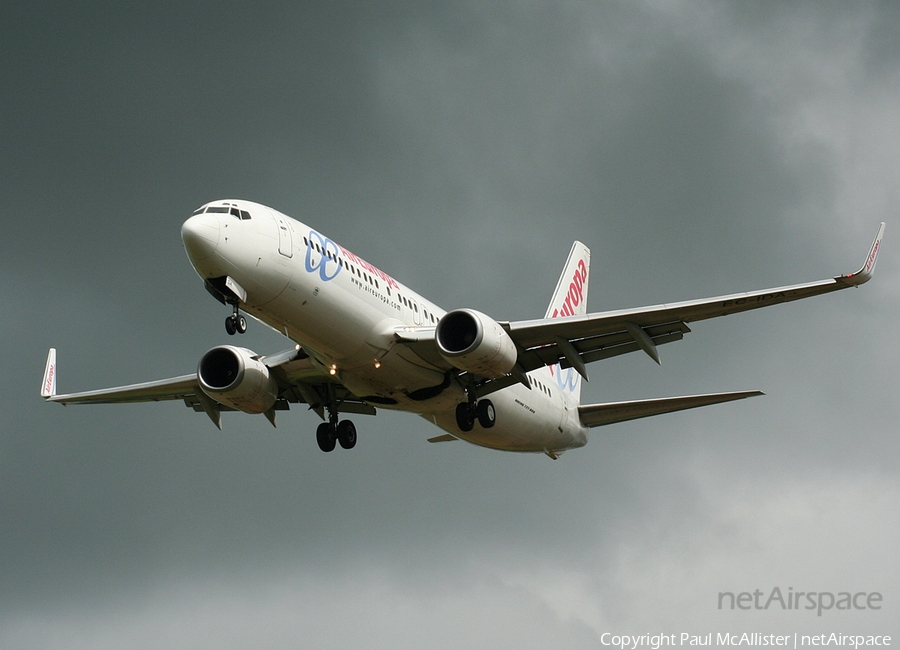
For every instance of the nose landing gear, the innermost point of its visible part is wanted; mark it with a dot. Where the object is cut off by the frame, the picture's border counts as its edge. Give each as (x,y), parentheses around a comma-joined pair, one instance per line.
(236,323)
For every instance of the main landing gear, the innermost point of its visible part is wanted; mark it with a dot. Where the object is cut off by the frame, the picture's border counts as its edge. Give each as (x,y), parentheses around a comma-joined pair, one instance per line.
(468,412)
(331,432)
(235,323)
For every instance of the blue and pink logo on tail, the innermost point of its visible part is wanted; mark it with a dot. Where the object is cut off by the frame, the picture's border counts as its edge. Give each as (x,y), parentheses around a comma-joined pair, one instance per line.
(570,299)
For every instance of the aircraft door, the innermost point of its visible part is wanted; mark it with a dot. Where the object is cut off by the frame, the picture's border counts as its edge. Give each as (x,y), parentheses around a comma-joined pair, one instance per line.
(284,236)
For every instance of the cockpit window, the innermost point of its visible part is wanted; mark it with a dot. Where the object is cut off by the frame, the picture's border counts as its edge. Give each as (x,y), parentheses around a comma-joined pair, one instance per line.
(223,209)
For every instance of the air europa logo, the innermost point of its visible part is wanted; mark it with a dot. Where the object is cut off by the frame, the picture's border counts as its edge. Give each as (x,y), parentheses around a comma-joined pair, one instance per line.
(575,295)
(871,261)
(327,253)
(51,371)
(374,270)
(566,379)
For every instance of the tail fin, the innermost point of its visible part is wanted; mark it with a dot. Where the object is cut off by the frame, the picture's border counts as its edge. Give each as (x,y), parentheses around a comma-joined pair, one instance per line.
(570,299)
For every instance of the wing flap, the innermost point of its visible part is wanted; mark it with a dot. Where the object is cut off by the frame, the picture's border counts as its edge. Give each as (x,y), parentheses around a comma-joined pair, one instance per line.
(597,415)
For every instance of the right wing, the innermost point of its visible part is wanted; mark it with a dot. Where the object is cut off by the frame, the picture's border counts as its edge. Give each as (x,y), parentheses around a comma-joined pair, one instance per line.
(597,415)
(298,379)
(576,340)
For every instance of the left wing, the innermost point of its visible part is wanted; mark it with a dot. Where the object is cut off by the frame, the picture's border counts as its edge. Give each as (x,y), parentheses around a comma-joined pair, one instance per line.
(151,391)
(299,381)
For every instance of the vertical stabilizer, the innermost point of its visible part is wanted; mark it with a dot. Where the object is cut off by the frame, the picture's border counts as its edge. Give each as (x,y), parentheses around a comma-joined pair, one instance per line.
(570,299)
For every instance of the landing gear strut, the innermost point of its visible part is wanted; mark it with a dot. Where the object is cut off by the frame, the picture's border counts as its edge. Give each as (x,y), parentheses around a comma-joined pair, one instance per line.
(483,411)
(235,323)
(331,432)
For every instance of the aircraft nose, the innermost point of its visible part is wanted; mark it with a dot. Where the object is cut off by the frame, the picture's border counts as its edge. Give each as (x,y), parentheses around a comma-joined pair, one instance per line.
(200,235)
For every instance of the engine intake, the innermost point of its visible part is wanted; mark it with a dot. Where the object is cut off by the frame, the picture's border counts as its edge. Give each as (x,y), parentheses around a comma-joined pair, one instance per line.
(237,378)
(476,343)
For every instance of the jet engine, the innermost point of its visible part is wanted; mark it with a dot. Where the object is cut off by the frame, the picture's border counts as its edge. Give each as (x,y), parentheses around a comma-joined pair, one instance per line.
(237,378)
(476,343)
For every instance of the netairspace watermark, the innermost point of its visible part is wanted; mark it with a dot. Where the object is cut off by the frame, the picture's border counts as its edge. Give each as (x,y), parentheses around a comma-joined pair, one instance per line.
(745,639)
(795,600)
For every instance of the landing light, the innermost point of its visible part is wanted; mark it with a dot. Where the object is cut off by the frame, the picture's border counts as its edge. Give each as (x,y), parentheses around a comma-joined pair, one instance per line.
(377,364)
(332,371)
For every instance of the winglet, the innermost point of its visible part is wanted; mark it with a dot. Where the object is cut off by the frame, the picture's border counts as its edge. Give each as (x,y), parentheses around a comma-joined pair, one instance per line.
(865,273)
(48,387)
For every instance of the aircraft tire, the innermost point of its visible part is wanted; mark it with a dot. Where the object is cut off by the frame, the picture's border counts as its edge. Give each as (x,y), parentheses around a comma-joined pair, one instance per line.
(346,434)
(241,325)
(487,414)
(465,417)
(325,437)
(229,326)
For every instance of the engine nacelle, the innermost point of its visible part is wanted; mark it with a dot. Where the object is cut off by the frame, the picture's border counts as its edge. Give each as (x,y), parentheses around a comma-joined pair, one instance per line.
(476,343)
(235,377)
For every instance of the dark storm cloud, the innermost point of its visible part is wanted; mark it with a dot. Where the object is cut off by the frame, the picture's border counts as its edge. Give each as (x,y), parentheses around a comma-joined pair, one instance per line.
(698,148)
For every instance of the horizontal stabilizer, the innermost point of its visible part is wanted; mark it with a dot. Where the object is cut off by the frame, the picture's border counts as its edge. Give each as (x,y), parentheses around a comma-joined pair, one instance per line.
(444,438)
(598,415)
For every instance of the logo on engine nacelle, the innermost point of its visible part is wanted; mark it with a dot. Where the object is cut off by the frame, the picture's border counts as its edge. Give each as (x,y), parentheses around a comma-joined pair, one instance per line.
(327,253)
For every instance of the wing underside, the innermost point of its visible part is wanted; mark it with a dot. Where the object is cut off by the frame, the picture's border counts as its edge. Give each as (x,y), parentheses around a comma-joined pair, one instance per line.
(575,341)
(299,382)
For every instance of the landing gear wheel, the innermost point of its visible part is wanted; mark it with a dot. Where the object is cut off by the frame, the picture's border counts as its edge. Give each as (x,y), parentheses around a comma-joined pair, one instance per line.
(346,434)
(325,437)
(465,417)
(487,416)
(230,326)
(240,325)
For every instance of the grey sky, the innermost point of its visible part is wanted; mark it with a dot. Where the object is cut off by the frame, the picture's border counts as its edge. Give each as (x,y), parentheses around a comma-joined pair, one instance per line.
(698,148)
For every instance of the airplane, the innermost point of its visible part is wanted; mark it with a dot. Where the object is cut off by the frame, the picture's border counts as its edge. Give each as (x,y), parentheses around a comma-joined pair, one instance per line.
(363,341)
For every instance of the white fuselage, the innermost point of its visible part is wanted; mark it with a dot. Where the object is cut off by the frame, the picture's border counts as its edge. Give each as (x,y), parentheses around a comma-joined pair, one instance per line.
(344,312)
